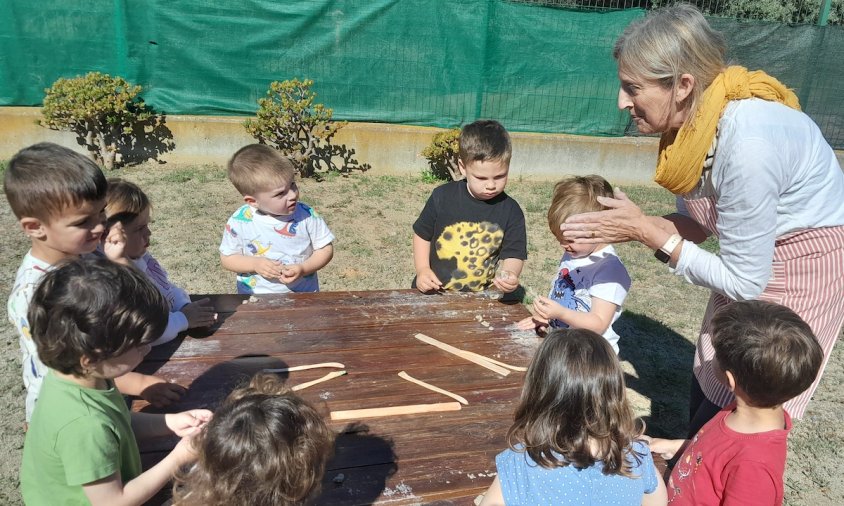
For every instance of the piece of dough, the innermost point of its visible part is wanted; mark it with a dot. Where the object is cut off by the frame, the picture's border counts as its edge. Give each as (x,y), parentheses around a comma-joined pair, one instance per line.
(336,365)
(410,409)
(466,355)
(408,377)
(327,377)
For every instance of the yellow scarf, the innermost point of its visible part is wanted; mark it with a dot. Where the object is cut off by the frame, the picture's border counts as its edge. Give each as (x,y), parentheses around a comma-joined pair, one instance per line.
(682,153)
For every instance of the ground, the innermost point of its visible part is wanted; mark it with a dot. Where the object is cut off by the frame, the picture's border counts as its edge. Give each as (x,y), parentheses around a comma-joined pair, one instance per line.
(371,217)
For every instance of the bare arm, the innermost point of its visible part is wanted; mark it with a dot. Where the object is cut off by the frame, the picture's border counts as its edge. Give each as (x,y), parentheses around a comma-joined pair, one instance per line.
(269,269)
(514,266)
(315,262)
(152,389)
(598,319)
(426,280)
(493,495)
(658,497)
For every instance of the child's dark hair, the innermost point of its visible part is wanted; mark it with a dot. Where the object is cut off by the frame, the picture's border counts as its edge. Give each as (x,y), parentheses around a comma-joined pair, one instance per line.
(124,201)
(770,351)
(258,167)
(574,195)
(574,400)
(265,446)
(484,140)
(44,179)
(92,307)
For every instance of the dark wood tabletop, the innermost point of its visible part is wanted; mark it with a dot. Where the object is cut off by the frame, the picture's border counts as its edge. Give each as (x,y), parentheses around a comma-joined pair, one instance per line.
(445,457)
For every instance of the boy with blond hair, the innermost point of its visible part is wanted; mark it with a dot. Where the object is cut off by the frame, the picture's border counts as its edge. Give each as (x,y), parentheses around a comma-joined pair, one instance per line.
(766,355)
(273,242)
(468,226)
(58,197)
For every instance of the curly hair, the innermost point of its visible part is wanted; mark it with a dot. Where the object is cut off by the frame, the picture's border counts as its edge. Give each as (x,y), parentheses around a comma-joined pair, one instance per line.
(265,446)
(92,307)
(574,406)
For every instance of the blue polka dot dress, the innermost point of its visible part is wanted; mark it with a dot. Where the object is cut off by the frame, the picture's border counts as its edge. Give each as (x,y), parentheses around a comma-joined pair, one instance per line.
(523,482)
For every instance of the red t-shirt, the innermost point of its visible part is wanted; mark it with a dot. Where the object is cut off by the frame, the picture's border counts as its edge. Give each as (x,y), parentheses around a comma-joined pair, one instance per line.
(724,467)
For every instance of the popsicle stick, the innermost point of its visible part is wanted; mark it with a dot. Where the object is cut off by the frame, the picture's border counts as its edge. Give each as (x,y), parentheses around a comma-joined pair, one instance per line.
(410,409)
(327,377)
(408,377)
(336,365)
(471,357)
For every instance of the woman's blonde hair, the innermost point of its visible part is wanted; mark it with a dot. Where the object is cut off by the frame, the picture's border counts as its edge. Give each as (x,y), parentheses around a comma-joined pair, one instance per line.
(575,195)
(573,409)
(668,43)
(265,446)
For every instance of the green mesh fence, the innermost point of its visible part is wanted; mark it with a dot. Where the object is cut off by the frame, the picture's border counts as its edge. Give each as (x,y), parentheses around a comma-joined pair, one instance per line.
(425,62)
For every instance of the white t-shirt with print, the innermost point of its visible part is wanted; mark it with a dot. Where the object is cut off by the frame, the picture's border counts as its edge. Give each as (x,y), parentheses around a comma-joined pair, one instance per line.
(288,239)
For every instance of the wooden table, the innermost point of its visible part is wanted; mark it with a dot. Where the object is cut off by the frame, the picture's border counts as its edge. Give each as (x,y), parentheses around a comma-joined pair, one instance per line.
(424,458)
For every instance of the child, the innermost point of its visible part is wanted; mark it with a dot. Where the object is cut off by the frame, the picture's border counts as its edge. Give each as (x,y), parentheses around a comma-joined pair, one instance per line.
(591,283)
(92,320)
(58,197)
(275,243)
(264,447)
(767,355)
(127,204)
(472,223)
(574,439)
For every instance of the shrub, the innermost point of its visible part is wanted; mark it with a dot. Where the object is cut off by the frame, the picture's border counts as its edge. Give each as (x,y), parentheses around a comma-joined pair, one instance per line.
(288,120)
(442,155)
(107,116)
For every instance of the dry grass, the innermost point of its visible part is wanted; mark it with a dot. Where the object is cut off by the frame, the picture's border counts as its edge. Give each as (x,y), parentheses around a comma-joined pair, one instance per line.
(371,217)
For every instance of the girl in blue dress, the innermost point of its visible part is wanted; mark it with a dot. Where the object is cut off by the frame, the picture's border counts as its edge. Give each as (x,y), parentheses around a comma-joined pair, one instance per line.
(574,439)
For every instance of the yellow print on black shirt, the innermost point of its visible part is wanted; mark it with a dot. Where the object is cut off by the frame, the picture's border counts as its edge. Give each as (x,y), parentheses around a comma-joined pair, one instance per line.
(474,247)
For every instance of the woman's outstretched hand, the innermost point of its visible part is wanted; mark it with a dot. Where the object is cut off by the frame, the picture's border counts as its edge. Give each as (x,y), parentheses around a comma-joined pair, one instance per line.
(622,222)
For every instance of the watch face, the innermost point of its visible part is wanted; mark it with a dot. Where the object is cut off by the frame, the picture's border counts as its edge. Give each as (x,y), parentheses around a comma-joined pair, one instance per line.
(662,256)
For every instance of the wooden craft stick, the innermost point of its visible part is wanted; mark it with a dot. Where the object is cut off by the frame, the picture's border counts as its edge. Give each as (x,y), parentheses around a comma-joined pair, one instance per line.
(408,377)
(496,362)
(471,357)
(327,377)
(410,409)
(336,365)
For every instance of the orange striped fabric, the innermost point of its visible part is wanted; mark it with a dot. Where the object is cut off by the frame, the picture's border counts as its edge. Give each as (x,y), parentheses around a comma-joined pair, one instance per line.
(807,276)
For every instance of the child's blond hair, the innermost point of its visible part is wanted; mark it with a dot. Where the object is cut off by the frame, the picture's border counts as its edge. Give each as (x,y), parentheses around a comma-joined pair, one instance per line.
(124,201)
(575,195)
(258,167)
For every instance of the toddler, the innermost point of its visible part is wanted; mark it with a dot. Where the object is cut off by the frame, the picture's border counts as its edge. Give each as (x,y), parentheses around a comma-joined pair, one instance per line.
(274,243)
(128,206)
(92,320)
(574,440)
(766,354)
(591,283)
(264,447)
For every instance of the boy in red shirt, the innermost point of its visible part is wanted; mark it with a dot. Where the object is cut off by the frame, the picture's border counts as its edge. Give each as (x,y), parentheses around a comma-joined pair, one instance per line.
(767,355)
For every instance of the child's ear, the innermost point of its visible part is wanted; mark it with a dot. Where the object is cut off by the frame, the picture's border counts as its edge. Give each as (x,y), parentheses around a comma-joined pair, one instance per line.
(86,363)
(461,167)
(249,199)
(731,380)
(32,227)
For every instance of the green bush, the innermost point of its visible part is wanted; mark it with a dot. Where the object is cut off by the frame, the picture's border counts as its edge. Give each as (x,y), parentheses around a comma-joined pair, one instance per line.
(100,109)
(442,155)
(288,120)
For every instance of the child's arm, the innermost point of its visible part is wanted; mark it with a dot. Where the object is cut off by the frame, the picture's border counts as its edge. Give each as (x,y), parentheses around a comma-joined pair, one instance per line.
(152,389)
(658,497)
(114,244)
(510,283)
(598,319)
(426,280)
(315,262)
(667,448)
(186,423)
(493,495)
(269,269)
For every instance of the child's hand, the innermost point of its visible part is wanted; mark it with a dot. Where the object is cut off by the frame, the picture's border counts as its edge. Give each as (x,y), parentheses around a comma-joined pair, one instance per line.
(506,281)
(268,269)
(547,309)
(187,423)
(184,452)
(114,244)
(161,393)
(531,323)
(427,281)
(291,273)
(200,313)
(666,448)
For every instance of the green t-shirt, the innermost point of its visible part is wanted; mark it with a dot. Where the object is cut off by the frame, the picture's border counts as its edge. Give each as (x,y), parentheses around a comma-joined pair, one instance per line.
(77,436)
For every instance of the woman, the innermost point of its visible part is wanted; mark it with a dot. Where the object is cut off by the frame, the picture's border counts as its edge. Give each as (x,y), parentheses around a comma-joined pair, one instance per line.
(747,166)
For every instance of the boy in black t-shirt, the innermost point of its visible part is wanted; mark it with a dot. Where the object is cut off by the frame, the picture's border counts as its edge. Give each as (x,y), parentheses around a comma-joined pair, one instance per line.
(472,223)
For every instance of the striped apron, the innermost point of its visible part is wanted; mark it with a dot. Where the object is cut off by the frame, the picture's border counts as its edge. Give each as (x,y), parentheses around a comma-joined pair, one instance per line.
(807,276)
